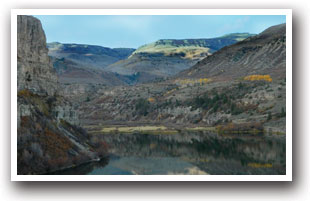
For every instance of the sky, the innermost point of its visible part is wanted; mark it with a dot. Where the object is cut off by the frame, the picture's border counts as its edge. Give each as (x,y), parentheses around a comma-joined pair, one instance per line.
(133,31)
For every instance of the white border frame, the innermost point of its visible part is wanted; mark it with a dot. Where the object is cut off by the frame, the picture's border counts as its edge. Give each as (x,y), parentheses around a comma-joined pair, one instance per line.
(287,177)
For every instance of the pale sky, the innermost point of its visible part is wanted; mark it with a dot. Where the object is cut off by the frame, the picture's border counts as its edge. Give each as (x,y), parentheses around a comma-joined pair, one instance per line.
(136,30)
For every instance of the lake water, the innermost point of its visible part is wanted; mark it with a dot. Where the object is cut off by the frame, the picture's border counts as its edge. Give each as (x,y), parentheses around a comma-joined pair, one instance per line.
(188,153)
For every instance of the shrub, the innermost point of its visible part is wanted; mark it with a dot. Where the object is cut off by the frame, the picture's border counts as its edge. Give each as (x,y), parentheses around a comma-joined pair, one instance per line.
(81,158)
(56,145)
(151,100)
(27,156)
(283,113)
(269,116)
(100,146)
(215,101)
(24,93)
(235,110)
(142,106)
(36,148)
(59,162)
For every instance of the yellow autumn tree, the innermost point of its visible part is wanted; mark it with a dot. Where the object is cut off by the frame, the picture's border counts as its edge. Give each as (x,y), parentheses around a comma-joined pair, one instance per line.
(258,77)
(193,81)
(151,100)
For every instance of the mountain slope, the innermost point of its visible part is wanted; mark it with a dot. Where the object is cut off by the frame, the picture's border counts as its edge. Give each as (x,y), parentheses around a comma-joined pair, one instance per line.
(70,72)
(211,93)
(88,55)
(167,57)
(262,54)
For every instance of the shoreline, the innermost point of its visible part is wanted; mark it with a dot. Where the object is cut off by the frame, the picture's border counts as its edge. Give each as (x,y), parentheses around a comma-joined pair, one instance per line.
(74,166)
(165,129)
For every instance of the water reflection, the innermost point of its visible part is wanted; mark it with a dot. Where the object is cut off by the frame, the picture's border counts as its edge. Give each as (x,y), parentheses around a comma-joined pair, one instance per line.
(189,153)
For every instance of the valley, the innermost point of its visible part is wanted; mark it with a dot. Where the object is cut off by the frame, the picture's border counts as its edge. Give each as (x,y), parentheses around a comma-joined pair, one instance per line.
(204,95)
(174,106)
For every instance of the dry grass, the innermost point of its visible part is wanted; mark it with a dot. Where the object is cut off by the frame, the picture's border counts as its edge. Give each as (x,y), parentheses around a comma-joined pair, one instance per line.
(136,129)
(154,130)
(260,165)
(201,129)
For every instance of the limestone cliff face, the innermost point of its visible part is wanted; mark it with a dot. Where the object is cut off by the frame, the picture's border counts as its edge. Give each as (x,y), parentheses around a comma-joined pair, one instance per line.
(35,70)
(48,138)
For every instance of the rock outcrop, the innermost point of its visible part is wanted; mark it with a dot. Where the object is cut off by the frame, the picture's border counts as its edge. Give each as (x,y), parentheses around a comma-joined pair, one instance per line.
(34,68)
(48,136)
(35,71)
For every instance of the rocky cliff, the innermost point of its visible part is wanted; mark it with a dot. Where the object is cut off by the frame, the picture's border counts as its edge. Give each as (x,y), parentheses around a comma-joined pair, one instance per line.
(34,71)
(192,46)
(48,138)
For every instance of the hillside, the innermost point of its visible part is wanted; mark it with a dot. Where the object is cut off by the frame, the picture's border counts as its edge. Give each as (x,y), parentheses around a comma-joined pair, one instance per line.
(70,72)
(261,54)
(88,55)
(167,57)
(241,86)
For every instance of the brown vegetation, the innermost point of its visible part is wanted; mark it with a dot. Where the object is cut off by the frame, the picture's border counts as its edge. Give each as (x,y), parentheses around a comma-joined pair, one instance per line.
(24,93)
(242,128)
(100,146)
(55,144)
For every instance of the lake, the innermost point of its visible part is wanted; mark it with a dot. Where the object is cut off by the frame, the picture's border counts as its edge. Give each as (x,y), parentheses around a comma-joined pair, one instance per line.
(188,153)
